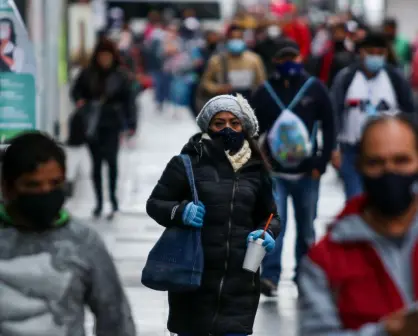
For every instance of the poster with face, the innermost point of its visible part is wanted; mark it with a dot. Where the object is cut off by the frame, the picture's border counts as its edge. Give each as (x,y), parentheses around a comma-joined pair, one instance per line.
(18,74)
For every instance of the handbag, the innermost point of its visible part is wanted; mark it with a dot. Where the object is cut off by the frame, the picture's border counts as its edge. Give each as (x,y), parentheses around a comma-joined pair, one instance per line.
(175,263)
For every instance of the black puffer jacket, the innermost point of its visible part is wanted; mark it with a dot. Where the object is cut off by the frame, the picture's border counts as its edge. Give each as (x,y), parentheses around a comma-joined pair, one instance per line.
(236,204)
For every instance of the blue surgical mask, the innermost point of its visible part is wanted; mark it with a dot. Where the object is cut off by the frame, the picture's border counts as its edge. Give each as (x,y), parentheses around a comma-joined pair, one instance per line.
(289,69)
(374,63)
(236,46)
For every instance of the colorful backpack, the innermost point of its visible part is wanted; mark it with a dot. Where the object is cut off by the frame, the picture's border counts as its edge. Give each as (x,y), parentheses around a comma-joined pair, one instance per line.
(289,140)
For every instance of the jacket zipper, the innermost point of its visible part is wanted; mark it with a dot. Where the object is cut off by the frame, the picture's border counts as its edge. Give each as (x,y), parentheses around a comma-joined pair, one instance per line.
(221,284)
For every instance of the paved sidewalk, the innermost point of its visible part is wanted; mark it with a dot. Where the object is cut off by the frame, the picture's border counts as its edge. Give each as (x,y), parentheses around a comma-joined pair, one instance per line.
(132,234)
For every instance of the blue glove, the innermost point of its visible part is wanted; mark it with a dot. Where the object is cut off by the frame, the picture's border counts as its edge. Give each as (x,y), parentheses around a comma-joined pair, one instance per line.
(269,243)
(193,215)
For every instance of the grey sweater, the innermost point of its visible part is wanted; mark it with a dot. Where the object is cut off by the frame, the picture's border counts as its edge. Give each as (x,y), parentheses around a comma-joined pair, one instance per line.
(47,279)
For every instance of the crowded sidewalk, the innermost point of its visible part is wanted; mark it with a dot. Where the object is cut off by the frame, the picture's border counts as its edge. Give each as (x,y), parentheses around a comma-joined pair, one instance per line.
(132,234)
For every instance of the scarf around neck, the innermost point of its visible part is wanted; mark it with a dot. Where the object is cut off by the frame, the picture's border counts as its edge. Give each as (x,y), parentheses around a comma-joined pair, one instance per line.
(240,158)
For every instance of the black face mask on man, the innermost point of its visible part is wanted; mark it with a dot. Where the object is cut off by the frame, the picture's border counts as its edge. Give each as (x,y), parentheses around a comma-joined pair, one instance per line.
(231,140)
(40,209)
(390,194)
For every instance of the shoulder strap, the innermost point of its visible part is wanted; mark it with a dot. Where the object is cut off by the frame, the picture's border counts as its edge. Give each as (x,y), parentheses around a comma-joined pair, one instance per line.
(295,100)
(190,176)
(301,92)
(224,68)
(273,95)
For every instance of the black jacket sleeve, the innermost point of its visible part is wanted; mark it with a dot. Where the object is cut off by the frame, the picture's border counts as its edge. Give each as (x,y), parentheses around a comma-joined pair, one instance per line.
(403,90)
(169,197)
(327,116)
(266,206)
(78,90)
(128,101)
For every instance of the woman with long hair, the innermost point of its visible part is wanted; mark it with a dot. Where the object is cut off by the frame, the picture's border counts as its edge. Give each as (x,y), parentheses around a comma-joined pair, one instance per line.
(236,197)
(103,90)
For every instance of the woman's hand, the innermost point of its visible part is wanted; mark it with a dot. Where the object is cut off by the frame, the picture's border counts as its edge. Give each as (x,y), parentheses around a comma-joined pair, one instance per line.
(193,215)
(269,243)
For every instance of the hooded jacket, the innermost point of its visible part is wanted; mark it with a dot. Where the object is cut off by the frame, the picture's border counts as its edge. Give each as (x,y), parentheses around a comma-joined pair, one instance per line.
(236,204)
(48,278)
(354,277)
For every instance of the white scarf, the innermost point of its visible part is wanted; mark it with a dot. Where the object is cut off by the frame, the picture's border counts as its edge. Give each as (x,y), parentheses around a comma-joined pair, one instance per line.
(239,159)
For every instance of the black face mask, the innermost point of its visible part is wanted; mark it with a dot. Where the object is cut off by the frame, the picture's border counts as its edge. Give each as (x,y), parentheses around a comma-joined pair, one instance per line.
(231,140)
(40,209)
(390,194)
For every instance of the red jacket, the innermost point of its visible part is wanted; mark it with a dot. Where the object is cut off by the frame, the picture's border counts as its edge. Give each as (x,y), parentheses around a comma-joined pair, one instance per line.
(300,33)
(362,288)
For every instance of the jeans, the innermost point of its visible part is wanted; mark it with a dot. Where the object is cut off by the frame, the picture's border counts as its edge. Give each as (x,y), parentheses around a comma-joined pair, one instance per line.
(162,85)
(349,173)
(105,150)
(304,193)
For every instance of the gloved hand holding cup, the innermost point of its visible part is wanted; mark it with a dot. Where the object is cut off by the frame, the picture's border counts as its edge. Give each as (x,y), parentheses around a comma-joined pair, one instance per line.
(259,243)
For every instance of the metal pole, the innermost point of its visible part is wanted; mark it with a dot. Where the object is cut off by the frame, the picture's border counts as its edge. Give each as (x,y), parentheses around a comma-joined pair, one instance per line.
(37,32)
(52,11)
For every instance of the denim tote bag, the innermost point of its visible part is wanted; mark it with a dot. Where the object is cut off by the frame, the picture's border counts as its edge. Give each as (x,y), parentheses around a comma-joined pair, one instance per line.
(175,263)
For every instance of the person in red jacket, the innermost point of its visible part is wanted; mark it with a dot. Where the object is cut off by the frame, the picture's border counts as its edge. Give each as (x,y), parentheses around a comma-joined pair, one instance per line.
(361,279)
(297,30)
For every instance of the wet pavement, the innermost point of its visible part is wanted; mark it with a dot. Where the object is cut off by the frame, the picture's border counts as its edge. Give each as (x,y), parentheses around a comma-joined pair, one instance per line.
(132,234)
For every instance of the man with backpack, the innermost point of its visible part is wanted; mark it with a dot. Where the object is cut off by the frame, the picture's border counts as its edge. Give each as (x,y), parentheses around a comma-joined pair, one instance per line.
(363,90)
(290,107)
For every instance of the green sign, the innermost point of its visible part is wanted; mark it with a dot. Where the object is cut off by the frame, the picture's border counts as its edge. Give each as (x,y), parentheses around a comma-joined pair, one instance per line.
(17,74)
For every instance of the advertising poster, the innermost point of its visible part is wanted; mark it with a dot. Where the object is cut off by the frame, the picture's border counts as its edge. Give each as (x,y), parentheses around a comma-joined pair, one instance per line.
(17,74)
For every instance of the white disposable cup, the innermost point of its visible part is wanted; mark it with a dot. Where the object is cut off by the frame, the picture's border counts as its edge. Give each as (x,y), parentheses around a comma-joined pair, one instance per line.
(254,255)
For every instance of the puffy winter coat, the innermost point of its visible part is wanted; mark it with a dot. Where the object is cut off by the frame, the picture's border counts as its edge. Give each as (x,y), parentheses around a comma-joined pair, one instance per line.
(237,203)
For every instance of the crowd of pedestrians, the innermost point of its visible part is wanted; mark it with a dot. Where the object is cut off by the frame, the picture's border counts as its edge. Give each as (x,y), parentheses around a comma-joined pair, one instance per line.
(276,101)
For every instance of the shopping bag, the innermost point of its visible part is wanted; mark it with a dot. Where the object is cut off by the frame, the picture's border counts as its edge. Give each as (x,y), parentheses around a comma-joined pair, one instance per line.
(175,263)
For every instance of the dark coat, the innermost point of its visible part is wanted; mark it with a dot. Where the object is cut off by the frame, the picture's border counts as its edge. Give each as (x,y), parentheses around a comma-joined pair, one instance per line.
(116,87)
(236,204)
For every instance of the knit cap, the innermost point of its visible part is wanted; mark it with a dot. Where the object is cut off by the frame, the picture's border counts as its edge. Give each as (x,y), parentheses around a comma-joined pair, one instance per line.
(237,105)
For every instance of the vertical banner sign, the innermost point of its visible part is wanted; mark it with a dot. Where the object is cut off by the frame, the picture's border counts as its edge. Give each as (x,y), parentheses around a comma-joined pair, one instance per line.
(17,74)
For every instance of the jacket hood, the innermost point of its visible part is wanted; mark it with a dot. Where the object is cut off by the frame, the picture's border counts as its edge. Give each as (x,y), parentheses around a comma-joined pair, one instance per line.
(349,225)
(194,146)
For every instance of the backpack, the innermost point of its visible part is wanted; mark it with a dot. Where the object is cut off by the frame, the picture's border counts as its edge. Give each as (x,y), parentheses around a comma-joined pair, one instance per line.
(289,139)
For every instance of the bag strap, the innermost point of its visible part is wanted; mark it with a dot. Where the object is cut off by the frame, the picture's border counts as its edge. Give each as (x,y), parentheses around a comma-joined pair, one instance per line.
(301,92)
(295,100)
(190,176)
(273,95)
(224,68)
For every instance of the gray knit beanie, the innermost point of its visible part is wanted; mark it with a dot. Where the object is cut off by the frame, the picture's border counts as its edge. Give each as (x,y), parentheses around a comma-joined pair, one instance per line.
(238,106)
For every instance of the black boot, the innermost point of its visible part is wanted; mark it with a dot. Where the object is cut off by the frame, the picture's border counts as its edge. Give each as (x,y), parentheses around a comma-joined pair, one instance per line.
(115,208)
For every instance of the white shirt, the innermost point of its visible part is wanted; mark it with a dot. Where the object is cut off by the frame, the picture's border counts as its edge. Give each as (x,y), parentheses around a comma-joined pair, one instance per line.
(378,91)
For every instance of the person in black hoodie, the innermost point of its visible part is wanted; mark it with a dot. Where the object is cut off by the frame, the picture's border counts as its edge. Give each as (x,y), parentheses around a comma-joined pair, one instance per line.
(234,188)
(103,93)
(296,178)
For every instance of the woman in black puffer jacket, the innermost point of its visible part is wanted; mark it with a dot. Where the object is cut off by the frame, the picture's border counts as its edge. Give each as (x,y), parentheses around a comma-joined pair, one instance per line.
(236,193)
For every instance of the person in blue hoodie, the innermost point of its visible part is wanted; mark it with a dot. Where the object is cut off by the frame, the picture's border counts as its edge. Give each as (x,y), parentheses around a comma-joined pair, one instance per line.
(290,107)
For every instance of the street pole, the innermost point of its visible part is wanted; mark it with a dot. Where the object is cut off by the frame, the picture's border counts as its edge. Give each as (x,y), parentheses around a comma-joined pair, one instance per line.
(36,20)
(52,15)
